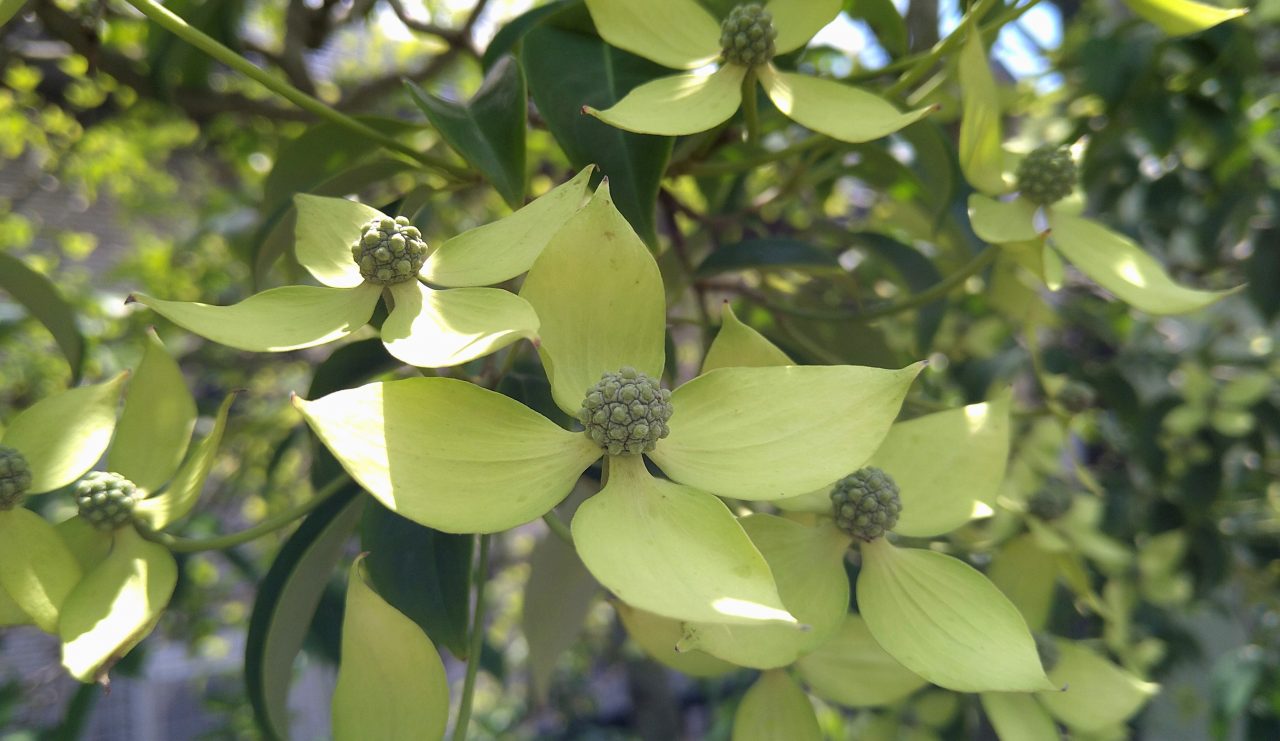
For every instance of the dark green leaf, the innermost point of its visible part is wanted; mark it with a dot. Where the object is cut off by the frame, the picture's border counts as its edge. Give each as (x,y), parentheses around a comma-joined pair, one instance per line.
(287,599)
(507,37)
(172,62)
(884,20)
(917,271)
(488,130)
(421,572)
(568,69)
(754,254)
(41,299)
(10,8)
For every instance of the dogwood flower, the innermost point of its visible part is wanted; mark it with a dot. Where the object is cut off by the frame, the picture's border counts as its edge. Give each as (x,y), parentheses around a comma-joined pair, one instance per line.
(1043,180)
(459,458)
(723,62)
(361,254)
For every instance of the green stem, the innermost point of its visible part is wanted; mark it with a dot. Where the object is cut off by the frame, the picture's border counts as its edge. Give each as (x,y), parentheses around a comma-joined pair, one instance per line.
(751,163)
(558,526)
(267,526)
(933,293)
(174,23)
(749,111)
(475,645)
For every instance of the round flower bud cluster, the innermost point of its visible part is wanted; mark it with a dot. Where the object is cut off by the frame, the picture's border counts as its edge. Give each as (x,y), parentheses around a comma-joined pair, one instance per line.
(1047,175)
(106,500)
(866,504)
(1047,648)
(15,478)
(626,412)
(747,35)
(1076,396)
(389,251)
(1052,501)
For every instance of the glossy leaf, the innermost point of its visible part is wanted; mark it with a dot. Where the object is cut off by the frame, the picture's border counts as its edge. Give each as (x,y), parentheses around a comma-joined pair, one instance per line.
(448,454)
(739,346)
(599,295)
(775,708)
(808,564)
(1180,17)
(884,19)
(37,570)
(1097,693)
(797,21)
(183,492)
(505,248)
(1002,222)
(840,111)
(658,636)
(115,605)
(1027,575)
(567,70)
(423,573)
(557,598)
(391,682)
(1018,717)
(672,550)
(437,329)
(512,31)
(943,620)
(851,669)
(288,318)
(286,604)
(769,433)
(946,465)
(1122,267)
(63,436)
(981,137)
(673,33)
(679,104)
(155,427)
(34,291)
(324,232)
(488,130)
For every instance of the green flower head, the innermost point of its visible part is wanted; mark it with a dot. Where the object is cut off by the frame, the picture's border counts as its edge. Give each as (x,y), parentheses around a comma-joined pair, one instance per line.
(1043,181)
(866,504)
(106,499)
(1053,500)
(682,35)
(440,314)
(459,458)
(15,478)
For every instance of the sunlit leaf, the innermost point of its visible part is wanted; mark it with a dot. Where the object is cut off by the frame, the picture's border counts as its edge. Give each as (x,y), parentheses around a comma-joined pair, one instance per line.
(63,435)
(739,346)
(324,232)
(1097,693)
(391,681)
(768,433)
(673,550)
(448,454)
(37,570)
(679,104)
(155,427)
(1179,17)
(1002,222)
(840,111)
(1122,267)
(87,544)
(183,492)
(1018,717)
(852,670)
(981,137)
(115,605)
(796,21)
(775,708)
(599,295)
(437,329)
(503,249)
(945,621)
(288,318)
(673,33)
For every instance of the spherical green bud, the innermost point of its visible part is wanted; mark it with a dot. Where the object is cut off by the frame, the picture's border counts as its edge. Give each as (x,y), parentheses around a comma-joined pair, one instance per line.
(1076,396)
(747,35)
(106,500)
(626,412)
(1047,175)
(1047,648)
(389,251)
(1052,501)
(15,478)
(866,504)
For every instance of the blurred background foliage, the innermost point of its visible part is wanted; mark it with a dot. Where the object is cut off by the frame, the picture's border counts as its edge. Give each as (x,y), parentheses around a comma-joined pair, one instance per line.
(130,162)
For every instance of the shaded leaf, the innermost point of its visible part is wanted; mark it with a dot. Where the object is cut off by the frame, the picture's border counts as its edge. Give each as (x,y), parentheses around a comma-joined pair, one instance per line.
(34,291)
(775,708)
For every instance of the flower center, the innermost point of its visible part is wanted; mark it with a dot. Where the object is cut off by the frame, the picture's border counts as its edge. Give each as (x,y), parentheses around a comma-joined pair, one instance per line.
(866,504)
(1052,501)
(389,251)
(746,36)
(15,478)
(1047,175)
(106,500)
(626,412)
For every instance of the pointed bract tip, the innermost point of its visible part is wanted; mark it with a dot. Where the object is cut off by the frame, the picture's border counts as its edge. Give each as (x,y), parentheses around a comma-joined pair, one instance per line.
(536,342)
(130,299)
(935,108)
(588,110)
